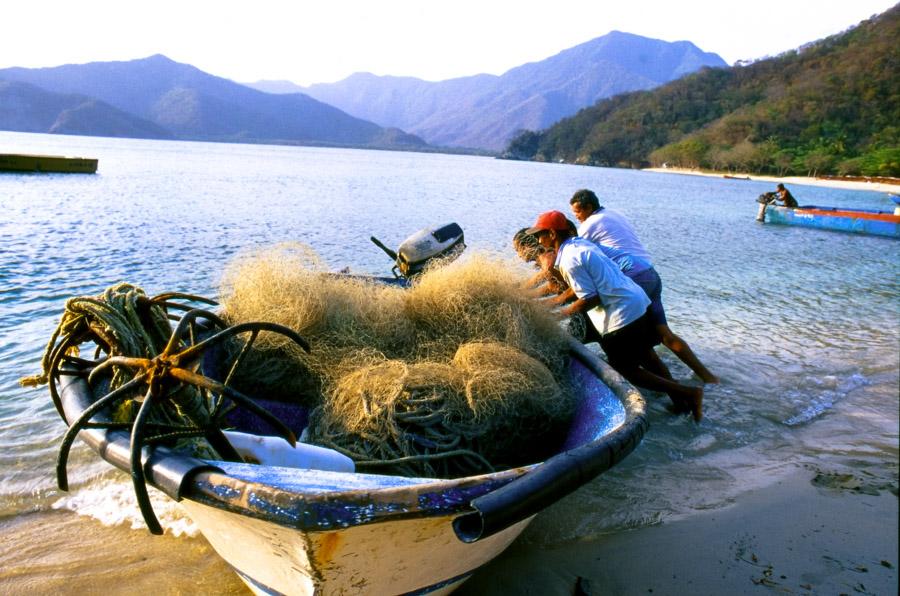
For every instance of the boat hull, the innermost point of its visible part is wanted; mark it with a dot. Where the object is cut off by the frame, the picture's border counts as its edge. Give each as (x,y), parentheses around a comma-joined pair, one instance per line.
(877,223)
(46,163)
(299,531)
(418,556)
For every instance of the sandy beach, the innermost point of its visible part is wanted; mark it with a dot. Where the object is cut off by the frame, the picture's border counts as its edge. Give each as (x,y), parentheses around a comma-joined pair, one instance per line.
(788,180)
(812,532)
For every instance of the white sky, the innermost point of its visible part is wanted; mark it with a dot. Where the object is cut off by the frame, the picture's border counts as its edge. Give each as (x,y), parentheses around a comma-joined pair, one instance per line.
(313,41)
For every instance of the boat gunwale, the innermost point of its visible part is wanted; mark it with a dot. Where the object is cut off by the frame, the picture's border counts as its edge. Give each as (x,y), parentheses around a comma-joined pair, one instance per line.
(872,214)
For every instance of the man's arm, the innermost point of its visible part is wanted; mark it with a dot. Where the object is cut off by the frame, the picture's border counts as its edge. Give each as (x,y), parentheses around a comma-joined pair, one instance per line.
(582,305)
(566,296)
(542,289)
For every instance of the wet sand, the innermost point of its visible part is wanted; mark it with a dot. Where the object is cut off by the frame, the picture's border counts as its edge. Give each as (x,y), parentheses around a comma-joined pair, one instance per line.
(811,533)
(37,558)
(788,180)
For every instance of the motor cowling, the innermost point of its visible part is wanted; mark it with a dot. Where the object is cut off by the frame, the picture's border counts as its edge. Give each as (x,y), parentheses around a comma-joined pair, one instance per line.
(414,253)
(764,200)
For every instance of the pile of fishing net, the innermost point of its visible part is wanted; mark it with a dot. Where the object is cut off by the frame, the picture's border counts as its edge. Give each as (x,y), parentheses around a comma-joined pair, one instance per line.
(461,373)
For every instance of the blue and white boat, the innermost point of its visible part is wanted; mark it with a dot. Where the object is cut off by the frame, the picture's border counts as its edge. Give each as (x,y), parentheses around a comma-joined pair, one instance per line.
(301,520)
(858,221)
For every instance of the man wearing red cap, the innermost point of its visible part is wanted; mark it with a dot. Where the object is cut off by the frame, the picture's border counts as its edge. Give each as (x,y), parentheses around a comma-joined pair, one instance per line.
(616,306)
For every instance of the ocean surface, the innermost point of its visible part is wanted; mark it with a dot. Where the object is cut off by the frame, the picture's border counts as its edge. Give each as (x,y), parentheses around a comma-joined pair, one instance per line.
(802,326)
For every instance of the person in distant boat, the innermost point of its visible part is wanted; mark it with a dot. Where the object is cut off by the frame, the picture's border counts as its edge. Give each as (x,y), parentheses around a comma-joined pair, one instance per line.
(785,196)
(616,306)
(612,232)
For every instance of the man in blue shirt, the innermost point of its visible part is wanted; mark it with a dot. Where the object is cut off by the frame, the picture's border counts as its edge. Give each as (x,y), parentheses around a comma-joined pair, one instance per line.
(616,306)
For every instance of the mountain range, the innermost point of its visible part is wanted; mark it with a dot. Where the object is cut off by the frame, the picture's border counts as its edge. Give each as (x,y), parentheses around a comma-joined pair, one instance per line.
(26,108)
(485,111)
(174,100)
(159,98)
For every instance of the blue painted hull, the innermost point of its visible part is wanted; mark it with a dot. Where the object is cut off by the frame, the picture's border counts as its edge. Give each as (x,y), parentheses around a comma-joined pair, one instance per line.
(876,223)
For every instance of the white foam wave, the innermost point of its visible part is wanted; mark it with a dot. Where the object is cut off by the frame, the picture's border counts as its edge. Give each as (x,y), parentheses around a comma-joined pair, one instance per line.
(112,503)
(832,390)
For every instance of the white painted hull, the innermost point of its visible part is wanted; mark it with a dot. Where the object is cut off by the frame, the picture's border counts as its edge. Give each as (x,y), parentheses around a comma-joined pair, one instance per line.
(421,555)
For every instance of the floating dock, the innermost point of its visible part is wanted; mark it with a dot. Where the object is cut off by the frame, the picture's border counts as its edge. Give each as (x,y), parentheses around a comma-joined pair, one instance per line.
(14,162)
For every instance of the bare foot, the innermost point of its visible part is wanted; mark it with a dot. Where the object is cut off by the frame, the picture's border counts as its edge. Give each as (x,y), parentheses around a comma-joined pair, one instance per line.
(709,378)
(679,405)
(696,402)
(689,400)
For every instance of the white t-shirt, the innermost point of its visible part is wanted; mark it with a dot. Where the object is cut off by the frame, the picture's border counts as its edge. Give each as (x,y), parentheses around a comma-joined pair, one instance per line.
(591,273)
(611,228)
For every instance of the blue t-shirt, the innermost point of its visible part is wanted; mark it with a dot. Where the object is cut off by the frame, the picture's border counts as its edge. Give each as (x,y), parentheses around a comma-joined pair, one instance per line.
(589,272)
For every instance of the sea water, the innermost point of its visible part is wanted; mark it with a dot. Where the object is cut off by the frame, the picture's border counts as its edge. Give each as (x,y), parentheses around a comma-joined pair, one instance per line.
(802,325)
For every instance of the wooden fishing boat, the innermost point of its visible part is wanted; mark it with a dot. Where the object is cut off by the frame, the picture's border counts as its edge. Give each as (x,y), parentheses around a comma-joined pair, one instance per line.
(293,530)
(859,221)
(17,162)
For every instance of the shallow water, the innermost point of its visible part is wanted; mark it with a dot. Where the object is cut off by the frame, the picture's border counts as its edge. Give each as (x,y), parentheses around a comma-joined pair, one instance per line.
(803,326)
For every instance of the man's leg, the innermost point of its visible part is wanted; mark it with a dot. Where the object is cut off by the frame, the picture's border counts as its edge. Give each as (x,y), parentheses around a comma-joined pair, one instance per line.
(681,349)
(685,397)
(653,363)
(630,351)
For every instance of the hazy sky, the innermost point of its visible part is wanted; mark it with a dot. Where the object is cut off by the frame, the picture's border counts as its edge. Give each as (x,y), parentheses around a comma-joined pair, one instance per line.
(327,40)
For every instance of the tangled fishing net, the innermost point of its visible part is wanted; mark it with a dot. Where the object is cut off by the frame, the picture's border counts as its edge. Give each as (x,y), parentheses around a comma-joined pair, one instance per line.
(150,378)
(125,322)
(487,409)
(462,373)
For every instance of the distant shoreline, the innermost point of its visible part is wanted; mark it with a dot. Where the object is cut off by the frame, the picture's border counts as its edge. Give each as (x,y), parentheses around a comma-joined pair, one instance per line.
(799,180)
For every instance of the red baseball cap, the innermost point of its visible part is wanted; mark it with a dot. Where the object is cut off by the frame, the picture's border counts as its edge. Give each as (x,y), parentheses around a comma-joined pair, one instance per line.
(549,220)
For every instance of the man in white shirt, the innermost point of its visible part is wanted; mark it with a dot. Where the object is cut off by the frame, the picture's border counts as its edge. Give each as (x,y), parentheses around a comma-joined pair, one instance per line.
(613,233)
(616,306)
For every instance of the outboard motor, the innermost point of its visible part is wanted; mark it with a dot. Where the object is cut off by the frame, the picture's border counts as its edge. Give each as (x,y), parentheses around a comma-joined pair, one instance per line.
(414,254)
(764,200)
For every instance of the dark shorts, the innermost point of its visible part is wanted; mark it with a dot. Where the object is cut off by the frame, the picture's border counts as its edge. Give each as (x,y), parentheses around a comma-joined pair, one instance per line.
(629,344)
(649,281)
(581,327)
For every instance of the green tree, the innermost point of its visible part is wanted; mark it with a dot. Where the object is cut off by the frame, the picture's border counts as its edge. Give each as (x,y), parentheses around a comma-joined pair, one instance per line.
(819,161)
(833,105)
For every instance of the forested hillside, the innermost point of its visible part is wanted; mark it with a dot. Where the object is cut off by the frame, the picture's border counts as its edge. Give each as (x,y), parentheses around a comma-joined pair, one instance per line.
(831,107)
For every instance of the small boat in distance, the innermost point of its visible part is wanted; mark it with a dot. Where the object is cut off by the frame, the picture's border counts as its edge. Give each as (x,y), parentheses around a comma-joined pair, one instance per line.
(858,221)
(18,162)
